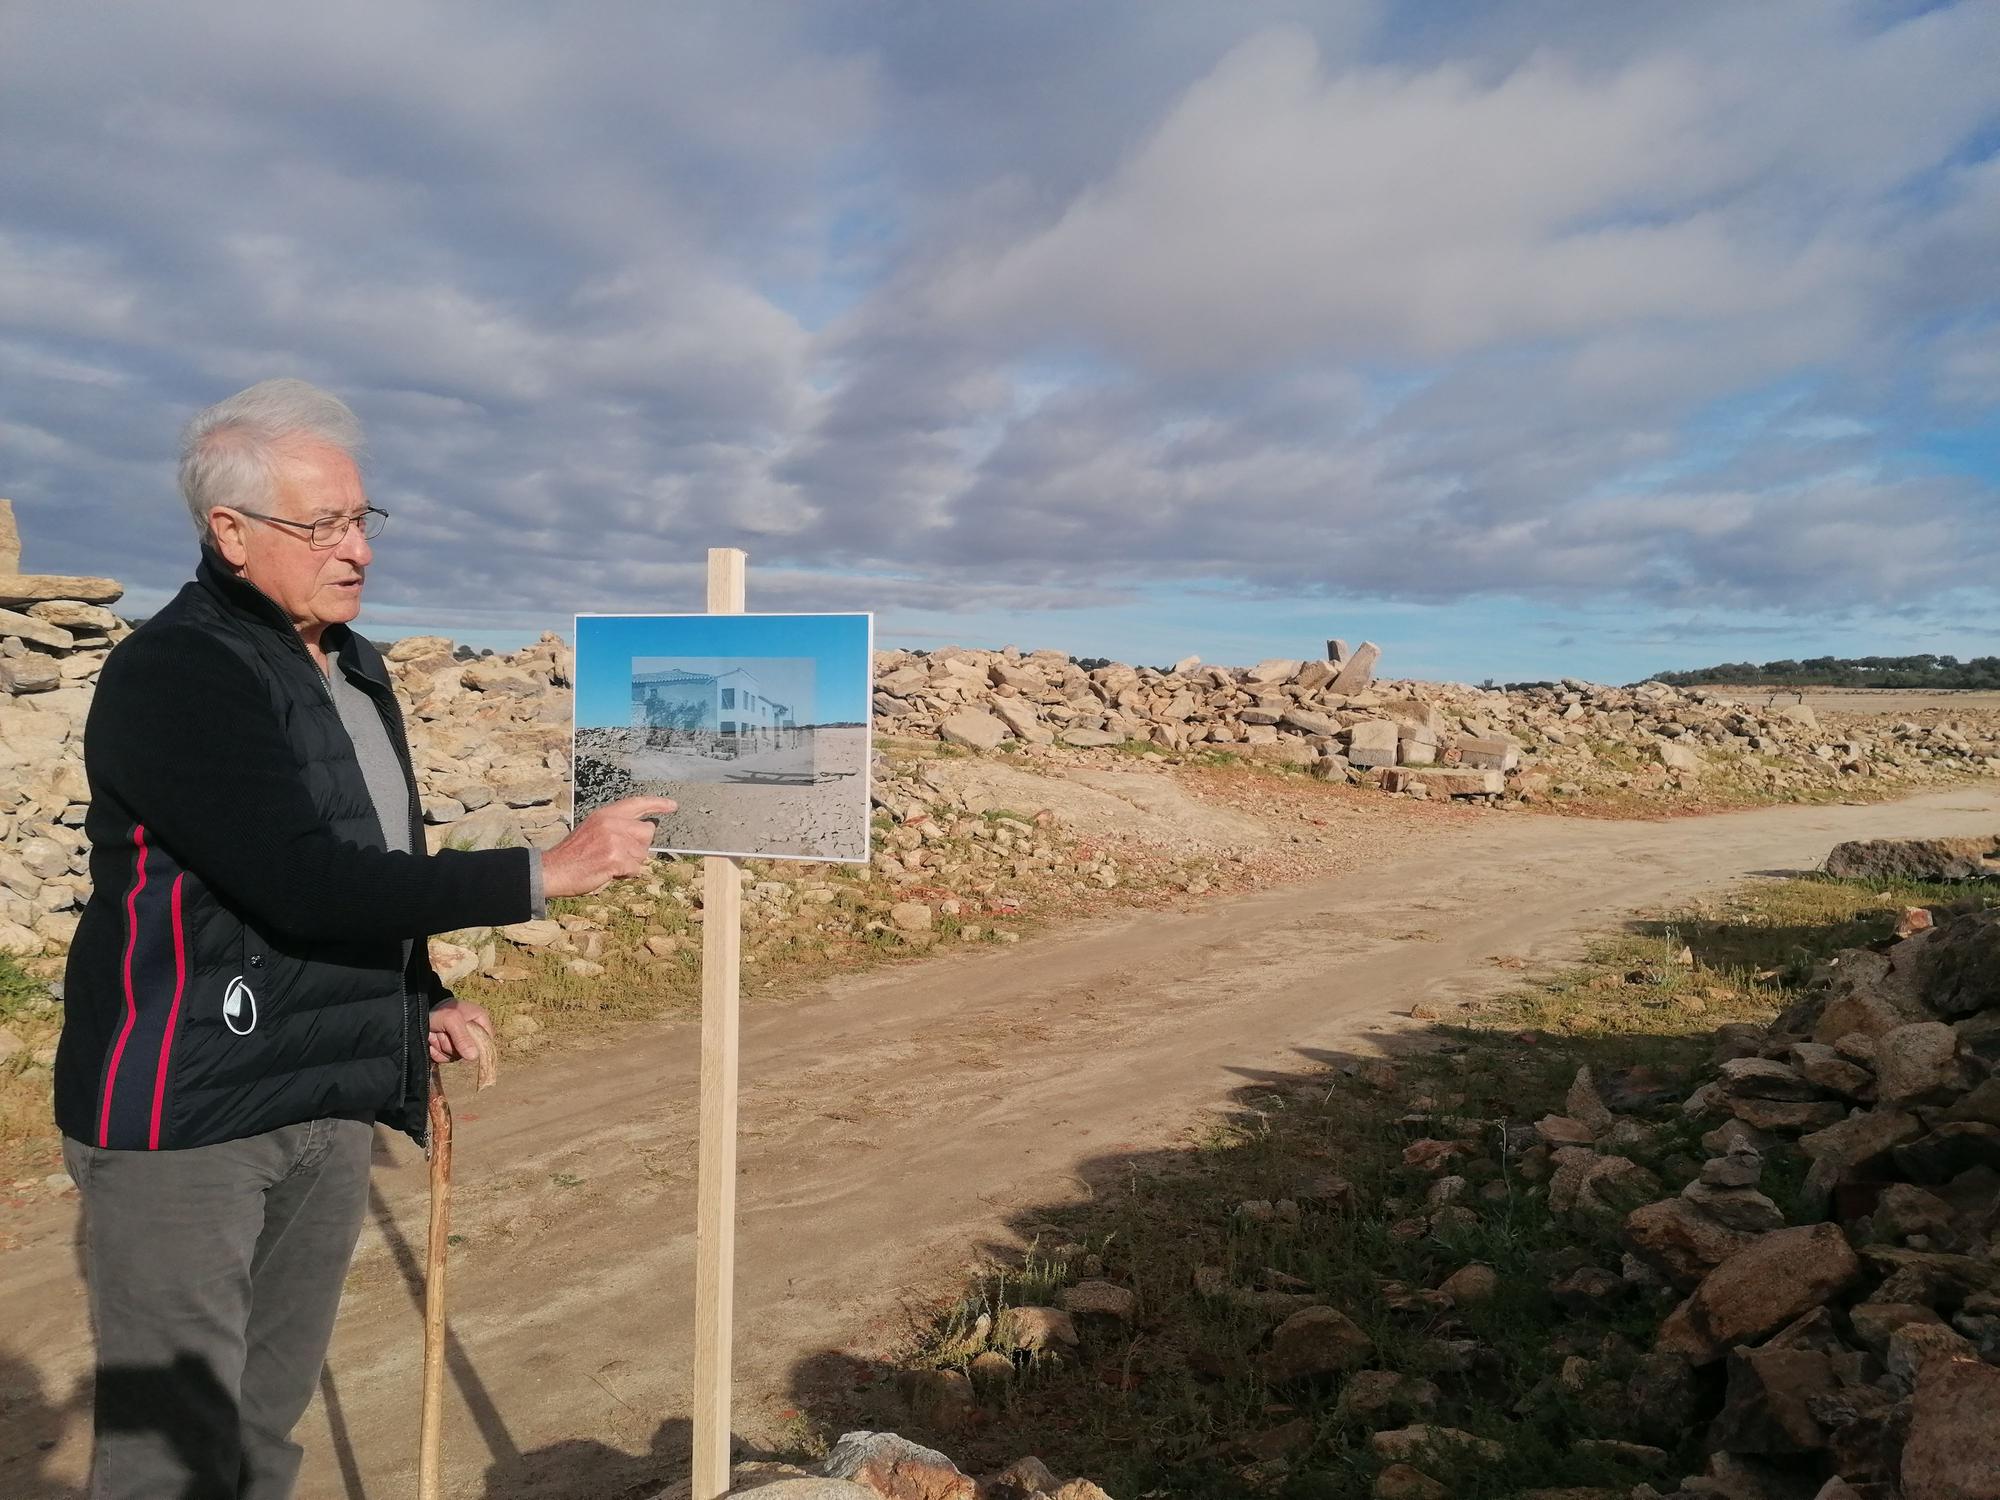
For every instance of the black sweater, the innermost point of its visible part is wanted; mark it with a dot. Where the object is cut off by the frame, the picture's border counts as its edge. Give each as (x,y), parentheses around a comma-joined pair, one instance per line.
(240,965)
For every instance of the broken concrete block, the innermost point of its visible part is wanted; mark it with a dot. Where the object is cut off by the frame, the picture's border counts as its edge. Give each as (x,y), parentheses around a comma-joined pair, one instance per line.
(1315,675)
(1451,781)
(1483,754)
(1679,757)
(1358,670)
(1277,669)
(1372,742)
(1415,719)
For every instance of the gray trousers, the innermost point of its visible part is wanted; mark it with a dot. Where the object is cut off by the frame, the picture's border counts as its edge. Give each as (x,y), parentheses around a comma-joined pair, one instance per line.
(214,1276)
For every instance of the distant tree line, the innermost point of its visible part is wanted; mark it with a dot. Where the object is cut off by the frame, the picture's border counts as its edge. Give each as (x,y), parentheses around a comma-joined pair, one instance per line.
(1922,671)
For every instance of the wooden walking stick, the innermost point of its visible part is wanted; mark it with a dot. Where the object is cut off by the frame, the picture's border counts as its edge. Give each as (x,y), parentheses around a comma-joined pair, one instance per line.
(428,1477)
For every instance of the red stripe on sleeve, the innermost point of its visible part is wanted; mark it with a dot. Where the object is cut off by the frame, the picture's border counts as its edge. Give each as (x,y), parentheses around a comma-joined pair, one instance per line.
(173,1015)
(131,1001)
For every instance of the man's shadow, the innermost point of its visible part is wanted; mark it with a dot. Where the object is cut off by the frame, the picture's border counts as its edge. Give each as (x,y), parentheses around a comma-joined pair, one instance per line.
(183,1403)
(31,1427)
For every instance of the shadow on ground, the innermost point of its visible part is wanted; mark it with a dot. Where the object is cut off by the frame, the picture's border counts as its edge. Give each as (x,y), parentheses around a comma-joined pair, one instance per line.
(1173,1405)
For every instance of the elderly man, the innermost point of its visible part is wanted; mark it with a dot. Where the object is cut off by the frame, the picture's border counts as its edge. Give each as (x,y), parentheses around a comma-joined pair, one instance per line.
(249,991)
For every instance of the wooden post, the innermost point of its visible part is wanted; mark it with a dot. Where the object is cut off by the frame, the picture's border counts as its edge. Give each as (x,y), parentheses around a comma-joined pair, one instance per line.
(715,1186)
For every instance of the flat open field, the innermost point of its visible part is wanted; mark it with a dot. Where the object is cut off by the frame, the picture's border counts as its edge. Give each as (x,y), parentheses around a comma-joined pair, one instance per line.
(1904,702)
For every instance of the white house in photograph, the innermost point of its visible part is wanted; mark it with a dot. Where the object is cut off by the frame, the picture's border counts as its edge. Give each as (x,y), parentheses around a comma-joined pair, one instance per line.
(731,704)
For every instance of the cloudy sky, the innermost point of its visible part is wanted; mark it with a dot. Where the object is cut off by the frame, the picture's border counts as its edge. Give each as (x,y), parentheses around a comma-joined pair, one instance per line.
(1524,338)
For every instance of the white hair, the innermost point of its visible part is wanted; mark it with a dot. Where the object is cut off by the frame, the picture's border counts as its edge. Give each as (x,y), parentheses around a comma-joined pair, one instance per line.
(227,451)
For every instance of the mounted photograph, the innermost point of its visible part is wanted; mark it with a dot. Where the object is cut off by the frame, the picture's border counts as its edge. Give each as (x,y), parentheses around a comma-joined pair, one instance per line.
(757,725)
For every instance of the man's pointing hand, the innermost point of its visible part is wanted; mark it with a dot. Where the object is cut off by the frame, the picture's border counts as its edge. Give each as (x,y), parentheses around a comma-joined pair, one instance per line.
(610,844)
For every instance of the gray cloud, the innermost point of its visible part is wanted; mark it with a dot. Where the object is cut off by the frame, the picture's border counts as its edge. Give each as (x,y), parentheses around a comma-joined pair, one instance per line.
(943,309)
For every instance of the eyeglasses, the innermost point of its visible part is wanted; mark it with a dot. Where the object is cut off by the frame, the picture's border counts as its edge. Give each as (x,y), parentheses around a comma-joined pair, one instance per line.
(328,531)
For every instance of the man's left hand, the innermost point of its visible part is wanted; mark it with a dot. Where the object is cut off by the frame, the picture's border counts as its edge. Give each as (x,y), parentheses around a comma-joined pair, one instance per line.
(452,1036)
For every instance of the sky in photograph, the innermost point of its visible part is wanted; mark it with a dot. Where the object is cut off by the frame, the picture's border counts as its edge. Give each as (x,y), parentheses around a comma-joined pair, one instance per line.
(1524,339)
(816,664)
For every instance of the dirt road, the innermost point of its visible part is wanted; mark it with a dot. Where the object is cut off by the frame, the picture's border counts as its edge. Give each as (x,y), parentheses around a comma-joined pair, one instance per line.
(1872,702)
(890,1124)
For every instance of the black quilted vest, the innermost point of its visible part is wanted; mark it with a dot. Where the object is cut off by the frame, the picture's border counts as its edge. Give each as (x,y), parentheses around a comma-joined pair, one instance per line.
(185,1023)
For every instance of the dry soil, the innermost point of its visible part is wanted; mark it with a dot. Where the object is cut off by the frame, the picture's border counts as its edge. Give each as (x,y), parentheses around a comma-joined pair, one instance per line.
(1852,703)
(891,1124)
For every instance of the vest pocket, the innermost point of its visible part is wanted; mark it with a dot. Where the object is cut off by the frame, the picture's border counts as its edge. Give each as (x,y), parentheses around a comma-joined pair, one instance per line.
(247,996)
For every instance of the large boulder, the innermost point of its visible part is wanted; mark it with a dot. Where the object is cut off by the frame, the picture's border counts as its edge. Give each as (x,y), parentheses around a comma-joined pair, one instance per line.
(1768,1408)
(1919,1064)
(1860,1142)
(1101,1299)
(1678,1238)
(1422,1440)
(1931,1278)
(1951,1453)
(1959,965)
(1678,757)
(895,1468)
(1588,1185)
(1372,742)
(1860,991)
(1036,1330)
(1306,722)
(17,589)
(1023,1479)
(87,619)
(1316,1341)
(974,729)
(1020,717)
(1766,1078)
(497,678)
(1916,859)
(1759,1289)
(1357,671)
(1276,670)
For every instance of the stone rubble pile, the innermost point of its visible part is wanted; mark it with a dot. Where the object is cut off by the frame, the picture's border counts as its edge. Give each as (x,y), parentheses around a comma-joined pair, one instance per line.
(1844,1343)
(490,738)
(1426,738)
(490,743)
(883,1466)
